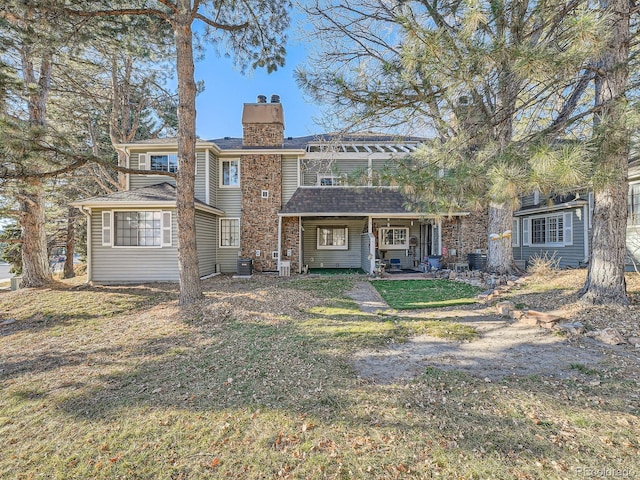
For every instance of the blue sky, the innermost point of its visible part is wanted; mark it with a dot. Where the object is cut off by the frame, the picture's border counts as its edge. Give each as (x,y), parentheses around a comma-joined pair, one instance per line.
(219,107)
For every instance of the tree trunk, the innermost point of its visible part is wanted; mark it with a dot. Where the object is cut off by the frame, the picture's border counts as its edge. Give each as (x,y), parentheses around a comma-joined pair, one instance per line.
(70,244)
(35,264)
(605,279)
(500,252)
(190,286)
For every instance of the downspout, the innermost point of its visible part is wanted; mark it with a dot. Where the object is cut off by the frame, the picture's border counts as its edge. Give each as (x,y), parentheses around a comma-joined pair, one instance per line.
(279,240)
(87,213)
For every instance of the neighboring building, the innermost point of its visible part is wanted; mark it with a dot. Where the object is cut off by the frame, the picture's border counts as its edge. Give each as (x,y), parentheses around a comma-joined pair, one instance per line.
(270,199)
(562,226)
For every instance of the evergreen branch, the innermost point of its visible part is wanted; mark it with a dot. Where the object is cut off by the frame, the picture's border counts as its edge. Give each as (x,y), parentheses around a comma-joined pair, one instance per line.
(170,5)
(119,12)
(220,26)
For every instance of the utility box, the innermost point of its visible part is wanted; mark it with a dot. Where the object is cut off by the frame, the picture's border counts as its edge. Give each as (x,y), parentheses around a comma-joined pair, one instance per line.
(245,267)
(285,268)
(15,283)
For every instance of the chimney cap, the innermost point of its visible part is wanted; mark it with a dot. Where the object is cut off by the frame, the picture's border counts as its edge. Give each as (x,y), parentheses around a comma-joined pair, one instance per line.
(262,99)
(275,98)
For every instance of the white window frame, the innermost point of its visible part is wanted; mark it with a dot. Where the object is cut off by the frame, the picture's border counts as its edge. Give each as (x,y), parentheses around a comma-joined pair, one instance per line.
(332,247)
(220,222)
(515,233)
(336,180)
(158,154)
(222,162)
(567,230)
(166,229)
(382,235)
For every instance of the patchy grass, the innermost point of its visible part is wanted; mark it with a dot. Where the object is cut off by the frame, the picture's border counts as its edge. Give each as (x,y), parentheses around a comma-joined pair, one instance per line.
(255,382)
(415,294)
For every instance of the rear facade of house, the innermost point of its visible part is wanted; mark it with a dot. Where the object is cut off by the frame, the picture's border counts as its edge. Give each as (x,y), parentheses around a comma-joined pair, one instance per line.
(286,204)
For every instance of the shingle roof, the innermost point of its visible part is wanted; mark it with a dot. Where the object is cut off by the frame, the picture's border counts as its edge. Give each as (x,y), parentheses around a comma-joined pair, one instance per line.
(159,193)
(345,200)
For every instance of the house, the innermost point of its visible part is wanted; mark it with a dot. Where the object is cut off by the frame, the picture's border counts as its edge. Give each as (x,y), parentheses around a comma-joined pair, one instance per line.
(273,199)
(561,225)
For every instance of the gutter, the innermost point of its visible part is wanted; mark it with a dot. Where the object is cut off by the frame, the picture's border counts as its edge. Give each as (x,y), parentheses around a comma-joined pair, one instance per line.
(373,215)
(552,208)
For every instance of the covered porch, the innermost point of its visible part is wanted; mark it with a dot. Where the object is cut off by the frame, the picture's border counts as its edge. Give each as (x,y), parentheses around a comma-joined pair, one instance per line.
(356,228)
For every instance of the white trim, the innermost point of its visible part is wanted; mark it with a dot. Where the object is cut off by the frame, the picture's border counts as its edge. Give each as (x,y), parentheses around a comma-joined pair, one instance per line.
(536,197)
(515,233)
(381,235)
(565,229)
(220,232)
(160,154)
(526,232)
(221,176)
(414,216)
(553,208)
(113,240)
(299,172)
(590,207)
(332,247)
(148,205)
(107,230)
(143,158)
(166,228)
(321,176)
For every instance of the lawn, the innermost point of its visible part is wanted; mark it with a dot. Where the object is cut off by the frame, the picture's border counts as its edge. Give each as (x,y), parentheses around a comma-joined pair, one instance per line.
(256,382)
(414,294)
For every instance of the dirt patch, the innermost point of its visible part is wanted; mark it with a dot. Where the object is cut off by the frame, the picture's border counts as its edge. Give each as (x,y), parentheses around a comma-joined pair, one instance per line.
(504,348)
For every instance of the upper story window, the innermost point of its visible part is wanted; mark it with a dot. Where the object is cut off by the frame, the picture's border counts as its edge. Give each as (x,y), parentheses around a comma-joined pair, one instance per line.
(329,180)
(163,162)
(393,238)
(633,204)
(230,176)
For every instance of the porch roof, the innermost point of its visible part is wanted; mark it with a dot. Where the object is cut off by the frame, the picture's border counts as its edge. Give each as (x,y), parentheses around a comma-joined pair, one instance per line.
(348,201)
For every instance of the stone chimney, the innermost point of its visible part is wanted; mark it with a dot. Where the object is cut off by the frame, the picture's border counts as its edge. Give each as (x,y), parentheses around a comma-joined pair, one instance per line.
(261,182)
(263,123)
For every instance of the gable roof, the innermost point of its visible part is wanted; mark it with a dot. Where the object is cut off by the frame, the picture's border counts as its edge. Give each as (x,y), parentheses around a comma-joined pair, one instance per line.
(161,194)
(348,201)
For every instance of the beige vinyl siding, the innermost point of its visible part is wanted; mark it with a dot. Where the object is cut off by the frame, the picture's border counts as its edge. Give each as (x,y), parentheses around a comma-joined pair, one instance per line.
(132,264)
(633,247)
(350,258)
(201,178)
(207,241)
(379,164)
(289,178)
(137,181)
(213,180)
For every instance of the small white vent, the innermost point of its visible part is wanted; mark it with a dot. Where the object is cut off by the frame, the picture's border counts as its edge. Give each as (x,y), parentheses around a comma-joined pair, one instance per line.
(265,193)
(274,255)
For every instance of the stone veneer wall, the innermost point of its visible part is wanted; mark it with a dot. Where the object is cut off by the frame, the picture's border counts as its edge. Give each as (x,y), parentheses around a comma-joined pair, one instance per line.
(465,234)
(291,240)
(259,220)
(263,135)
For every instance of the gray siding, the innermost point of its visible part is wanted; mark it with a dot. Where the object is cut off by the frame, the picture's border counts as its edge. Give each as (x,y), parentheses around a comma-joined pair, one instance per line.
(633,247)
(201,177)
(227,199)
(213,181)
(570,255)
(289,178)
(350,258)
(311,169)
(132,264)
(207,242)
(137,181)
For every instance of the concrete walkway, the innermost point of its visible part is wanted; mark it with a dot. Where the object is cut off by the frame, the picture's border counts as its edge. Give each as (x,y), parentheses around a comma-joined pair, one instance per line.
(367,298)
